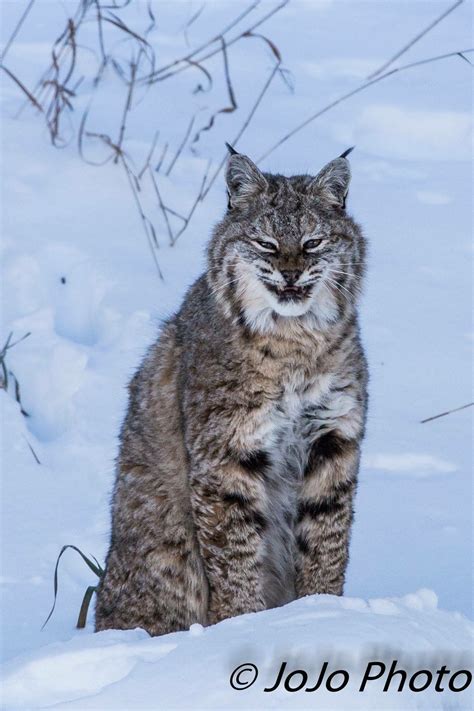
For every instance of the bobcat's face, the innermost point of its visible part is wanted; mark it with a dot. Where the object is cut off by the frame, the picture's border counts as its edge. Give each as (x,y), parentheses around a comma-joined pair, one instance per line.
(286,245)
(292,254)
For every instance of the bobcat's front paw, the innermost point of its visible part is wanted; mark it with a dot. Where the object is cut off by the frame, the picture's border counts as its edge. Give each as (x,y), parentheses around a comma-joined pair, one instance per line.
(222,610)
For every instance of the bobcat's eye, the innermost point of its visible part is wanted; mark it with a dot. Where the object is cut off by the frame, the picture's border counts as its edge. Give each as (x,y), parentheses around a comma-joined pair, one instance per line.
(266,246)
(312,244)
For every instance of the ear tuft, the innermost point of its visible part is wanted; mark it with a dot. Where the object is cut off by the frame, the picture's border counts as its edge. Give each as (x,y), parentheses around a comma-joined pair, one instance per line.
(231,150)
(244,180)
(332,182)
(346,152)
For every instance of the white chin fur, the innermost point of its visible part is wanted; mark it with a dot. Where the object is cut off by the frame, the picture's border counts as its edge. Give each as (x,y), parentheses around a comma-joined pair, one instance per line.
(288,308)
(259,302)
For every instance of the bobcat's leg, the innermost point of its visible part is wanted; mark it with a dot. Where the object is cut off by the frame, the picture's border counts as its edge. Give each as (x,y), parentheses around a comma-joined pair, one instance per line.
(229,508)
(154,575)
(324,515)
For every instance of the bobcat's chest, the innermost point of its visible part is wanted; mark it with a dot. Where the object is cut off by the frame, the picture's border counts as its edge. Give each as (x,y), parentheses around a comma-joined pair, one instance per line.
(283,439)
(300,396)
(300,392)
(278,426)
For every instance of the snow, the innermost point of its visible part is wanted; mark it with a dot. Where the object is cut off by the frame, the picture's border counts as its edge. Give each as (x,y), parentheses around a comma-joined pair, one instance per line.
(411,134)
(413,463)
(78,275)
(192,669)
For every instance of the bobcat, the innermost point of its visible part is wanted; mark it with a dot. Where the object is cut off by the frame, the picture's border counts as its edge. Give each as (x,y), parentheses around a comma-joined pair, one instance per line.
(240,448)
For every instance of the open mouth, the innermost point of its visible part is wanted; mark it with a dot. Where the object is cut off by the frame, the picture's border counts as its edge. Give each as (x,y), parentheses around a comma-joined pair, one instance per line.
(289,293)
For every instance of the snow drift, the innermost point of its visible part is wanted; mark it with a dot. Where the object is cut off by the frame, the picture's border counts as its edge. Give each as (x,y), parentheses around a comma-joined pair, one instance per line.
(199,669)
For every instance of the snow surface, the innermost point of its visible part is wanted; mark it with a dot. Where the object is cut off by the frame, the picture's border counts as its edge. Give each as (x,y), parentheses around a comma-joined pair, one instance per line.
(193,669)
(66,221)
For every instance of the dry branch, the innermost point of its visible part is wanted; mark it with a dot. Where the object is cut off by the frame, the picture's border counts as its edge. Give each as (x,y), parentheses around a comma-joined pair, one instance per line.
(55,91)
(357,90)
(128,103)
(20,84)
(230,91)
(147,224)
(30,447)
(162,206)
(191,21)
(415,39)
(181,145)
(6,373)
(448,412)
(199,197)
(162,158)
(206,44)
(16,30)
(150,155)
(175,67)
(244,126)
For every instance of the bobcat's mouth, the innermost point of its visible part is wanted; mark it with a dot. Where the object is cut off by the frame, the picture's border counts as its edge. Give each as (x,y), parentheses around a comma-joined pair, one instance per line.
(289,293)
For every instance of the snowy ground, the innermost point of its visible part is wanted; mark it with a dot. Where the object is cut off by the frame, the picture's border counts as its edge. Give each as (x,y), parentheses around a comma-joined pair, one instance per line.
(78,275)
(195,669)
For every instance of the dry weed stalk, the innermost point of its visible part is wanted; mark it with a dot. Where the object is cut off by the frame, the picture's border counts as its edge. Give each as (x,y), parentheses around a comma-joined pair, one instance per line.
(55,93)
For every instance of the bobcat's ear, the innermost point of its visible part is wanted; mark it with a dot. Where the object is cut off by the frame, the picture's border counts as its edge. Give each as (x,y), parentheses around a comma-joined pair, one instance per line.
(244,180)
(332,182)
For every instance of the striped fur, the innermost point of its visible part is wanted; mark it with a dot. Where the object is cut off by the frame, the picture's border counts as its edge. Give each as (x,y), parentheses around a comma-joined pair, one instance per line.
(240,448)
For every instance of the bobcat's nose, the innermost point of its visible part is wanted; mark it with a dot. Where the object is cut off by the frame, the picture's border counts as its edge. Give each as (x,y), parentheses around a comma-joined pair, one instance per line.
(291,276)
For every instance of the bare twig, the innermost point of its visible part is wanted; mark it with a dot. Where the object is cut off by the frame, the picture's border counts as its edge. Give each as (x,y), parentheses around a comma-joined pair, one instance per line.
(62,43)
(207,74)
(465,58)
(114,148)
(8,345)
(100,31)
(244,126)
(199,197)
(357,90)
(415,39)
(181,145)
(206,44)
(17,391)
(37,459)
(162,206)
(80,142)
(272,45)
(134,184)
(6,374)
(147,225)
(176,69)
(226,109)
(191,20)
(16,30)
(117,22)
(54,93)
(149,156)
(176,214)
(250,31)
(205,186)
(448,412)
(162,157)
(128,102)
(27,93)
(61,47)
(61,94)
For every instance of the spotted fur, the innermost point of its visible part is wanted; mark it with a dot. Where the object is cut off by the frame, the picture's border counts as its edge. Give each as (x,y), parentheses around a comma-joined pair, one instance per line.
(240,448)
